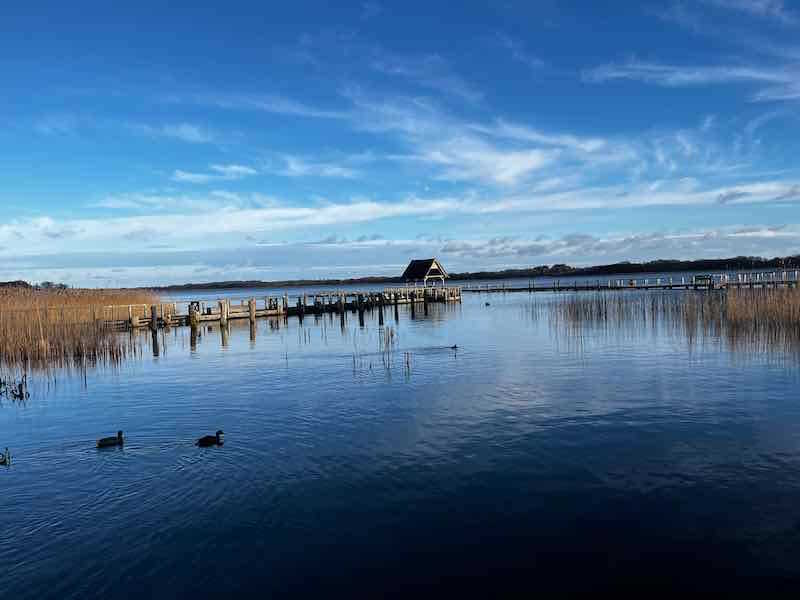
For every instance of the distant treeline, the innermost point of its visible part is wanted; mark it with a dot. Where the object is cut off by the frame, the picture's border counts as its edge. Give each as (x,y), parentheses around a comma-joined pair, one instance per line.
(559,270)
(739,263)
(45,285)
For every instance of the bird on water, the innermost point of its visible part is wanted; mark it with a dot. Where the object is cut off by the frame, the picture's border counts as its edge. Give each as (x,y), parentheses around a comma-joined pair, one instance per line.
(5,458)
(108,442)
(211,440)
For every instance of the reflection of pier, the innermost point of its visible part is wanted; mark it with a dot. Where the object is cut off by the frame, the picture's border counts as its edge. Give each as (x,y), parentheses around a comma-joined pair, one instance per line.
(223,311)
(776,279)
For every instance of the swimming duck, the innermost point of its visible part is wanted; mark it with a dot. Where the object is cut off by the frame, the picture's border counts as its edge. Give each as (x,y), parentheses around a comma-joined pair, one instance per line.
(5,458)
(211,440)
(108,442)
(488,304)
(454,347)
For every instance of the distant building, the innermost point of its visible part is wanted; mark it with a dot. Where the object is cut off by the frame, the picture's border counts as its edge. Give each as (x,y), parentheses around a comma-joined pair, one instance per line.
(424,270)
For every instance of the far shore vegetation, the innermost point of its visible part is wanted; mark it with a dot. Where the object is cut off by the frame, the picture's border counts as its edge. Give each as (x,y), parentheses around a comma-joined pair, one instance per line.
(739,263)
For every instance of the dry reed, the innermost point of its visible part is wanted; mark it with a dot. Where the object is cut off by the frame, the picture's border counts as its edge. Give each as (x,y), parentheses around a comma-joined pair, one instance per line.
(761,319)
(43,329)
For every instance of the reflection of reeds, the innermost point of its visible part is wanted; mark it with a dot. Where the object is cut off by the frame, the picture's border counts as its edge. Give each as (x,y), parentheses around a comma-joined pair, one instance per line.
(762,319)
(40,329)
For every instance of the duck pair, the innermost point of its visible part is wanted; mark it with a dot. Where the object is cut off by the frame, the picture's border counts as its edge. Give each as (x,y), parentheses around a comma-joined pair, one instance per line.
(118,440)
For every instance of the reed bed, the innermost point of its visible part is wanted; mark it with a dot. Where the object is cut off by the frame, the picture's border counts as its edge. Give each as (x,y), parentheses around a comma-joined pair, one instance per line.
(44,329)
(761,319)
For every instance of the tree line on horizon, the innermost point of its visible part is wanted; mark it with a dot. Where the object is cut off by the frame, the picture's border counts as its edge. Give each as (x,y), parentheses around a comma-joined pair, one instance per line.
(738,263)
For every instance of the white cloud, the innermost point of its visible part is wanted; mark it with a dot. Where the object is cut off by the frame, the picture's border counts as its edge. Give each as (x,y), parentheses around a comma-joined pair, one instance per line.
(269,103)
(688,75)
(581,249)
(515,131)
(220,173)
(468,159)
(296,166)
(239,215)
(185,132)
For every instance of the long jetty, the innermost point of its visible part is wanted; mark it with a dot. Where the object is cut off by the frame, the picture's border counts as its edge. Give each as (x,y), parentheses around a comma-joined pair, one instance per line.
(724,281)
(156,316)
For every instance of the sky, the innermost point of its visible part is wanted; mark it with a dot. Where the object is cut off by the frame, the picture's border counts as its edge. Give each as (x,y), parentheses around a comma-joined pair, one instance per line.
(150,144)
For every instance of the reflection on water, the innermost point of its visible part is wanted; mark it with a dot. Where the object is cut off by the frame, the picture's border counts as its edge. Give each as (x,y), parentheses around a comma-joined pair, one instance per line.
(361,458)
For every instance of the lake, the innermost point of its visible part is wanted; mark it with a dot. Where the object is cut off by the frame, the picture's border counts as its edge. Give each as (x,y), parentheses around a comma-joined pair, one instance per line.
(374,461)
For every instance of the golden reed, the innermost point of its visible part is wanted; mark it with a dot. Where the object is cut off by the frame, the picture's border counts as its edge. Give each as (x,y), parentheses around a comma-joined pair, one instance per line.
(761,319)
(42,329)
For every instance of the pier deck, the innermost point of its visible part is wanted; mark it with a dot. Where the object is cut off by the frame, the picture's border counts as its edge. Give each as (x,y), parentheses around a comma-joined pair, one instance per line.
(130,317)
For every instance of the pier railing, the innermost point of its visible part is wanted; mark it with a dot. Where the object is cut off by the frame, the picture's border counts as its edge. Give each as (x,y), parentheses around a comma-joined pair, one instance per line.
(788,278)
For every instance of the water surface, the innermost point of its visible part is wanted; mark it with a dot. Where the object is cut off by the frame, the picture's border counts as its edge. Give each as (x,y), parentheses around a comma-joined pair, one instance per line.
(526,459)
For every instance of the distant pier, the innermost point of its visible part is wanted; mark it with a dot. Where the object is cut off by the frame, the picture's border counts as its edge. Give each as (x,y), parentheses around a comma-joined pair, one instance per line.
(776,279)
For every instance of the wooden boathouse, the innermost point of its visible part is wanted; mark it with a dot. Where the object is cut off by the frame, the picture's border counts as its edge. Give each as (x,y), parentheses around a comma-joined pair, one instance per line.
(424,270)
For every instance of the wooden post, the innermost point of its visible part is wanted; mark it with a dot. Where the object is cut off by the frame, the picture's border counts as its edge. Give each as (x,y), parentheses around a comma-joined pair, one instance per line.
(194,317)
(251,305)
(224,333)
(223,313)
(134,318)
(154,317)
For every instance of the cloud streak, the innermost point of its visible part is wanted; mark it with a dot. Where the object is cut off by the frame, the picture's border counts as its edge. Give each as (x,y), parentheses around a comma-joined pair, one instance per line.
(770,9)
(686,75)
(218,173)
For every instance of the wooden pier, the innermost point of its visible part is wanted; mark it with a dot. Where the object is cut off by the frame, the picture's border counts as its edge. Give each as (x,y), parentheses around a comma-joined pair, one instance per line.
(131,317)
(788,279)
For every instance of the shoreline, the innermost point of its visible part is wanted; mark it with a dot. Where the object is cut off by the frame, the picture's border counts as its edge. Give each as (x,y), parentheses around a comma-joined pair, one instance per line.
(555,271)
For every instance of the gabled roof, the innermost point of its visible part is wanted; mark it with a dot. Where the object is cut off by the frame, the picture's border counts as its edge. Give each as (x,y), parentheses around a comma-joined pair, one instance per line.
(417,270)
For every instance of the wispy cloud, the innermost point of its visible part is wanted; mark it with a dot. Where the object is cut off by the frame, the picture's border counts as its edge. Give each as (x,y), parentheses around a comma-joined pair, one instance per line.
(219,173)
(185,132)
(431,71)
(505,129)
(469,159)
(297,166)
(519,52)
(771,9)
(270,103)
(781,78)
(57,124)
(687,75)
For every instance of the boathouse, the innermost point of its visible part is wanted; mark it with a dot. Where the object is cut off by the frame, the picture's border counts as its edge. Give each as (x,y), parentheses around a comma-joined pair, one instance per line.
(429,269)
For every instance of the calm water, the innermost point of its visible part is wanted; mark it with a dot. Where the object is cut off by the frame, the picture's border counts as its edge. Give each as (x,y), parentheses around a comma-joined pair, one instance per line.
(525,460)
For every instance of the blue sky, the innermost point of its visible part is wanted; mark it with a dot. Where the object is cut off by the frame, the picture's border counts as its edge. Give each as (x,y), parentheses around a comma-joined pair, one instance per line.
(156,144)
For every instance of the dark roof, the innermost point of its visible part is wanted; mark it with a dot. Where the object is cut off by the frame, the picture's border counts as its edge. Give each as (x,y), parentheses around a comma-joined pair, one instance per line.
(417,270)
